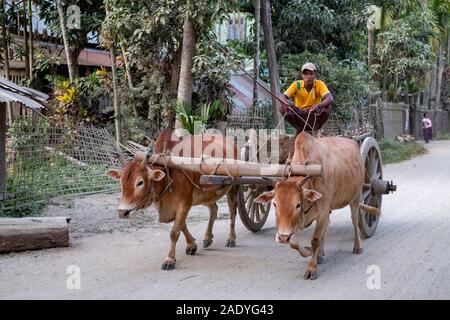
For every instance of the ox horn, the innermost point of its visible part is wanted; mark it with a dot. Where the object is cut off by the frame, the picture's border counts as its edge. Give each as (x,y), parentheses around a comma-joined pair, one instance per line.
(123,161)
(149,152)
(303,181)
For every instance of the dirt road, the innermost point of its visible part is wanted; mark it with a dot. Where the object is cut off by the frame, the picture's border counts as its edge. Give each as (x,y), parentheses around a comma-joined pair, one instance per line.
(407,258)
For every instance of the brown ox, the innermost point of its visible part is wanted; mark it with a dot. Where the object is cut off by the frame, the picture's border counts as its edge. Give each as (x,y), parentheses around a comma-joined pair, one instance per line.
(144,184)
(299,201)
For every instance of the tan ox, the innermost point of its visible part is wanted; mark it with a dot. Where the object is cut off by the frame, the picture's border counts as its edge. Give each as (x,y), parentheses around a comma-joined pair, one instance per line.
(142,185)
(299,202)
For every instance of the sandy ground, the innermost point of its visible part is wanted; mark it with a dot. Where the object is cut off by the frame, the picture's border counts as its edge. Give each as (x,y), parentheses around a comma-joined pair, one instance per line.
(121,259)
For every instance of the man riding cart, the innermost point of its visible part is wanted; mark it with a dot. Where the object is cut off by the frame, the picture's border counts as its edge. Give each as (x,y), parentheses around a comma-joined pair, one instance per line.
(312,102)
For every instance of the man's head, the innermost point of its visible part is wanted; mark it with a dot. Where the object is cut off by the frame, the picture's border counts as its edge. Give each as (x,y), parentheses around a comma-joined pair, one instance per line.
(425,115)
(308,73)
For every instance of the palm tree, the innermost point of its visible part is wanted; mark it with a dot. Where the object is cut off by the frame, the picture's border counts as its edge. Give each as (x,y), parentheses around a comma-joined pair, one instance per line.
(185,83)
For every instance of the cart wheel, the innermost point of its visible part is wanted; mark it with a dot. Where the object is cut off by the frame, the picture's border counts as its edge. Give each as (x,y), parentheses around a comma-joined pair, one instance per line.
(253,215)
(371,156)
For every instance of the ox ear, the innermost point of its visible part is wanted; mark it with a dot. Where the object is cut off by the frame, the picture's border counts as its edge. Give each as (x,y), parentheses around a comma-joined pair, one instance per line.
(311,195)
(265,197)
(156,175)
(114,173)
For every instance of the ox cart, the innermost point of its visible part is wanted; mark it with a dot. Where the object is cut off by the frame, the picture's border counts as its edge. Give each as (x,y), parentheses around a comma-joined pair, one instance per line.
(254,215)
(253,179)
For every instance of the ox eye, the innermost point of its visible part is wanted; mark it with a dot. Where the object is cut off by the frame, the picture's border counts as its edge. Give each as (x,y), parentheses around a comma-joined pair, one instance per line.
(140,183)
(274,204)
(298,206)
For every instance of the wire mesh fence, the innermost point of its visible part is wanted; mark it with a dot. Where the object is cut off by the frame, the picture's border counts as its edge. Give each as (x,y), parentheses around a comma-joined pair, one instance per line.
(45,160)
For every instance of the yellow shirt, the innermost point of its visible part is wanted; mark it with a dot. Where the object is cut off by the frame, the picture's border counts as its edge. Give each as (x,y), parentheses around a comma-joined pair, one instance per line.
(304,99)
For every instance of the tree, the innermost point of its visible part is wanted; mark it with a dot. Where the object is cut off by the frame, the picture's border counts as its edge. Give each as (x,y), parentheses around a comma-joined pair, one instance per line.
(256,50)
(441,10)
(65,35)
(5,47)
(92,14)
(404,50)
(109,39)
(272,58)
(185,84)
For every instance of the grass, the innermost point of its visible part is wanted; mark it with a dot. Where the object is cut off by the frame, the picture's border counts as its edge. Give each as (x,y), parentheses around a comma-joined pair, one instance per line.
(442,136)
(394,151)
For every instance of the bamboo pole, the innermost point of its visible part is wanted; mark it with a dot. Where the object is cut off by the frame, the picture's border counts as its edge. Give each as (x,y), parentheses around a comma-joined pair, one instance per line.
(231,167)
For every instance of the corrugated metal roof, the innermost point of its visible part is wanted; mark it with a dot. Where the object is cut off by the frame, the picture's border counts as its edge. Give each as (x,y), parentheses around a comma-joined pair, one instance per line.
(242,87)
(10,92)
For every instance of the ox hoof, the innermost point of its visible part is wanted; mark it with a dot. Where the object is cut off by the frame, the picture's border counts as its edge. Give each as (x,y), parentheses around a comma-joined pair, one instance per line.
(310,275)
(207,243)
(190,251)
(231,243)
(357,250)
(319,259)
(168,266)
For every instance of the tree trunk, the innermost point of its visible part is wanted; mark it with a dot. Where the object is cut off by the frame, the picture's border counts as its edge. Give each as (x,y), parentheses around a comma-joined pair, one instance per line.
(406,92)
(6,60)
(128,74)
(74,54)
(174,78)
(184,94)
(2,150)
(395,87)
(117,114)
(175,69)
(65,35)
(272,58)
(31,59)
(370,45)
(383,84)
(25,38)
(256,51)
(441,66)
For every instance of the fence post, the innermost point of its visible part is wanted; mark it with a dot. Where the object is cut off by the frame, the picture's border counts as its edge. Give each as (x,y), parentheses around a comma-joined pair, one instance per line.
(2,150)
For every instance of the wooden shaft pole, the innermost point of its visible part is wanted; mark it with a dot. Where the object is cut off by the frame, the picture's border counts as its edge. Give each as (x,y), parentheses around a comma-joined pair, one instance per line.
(231,167)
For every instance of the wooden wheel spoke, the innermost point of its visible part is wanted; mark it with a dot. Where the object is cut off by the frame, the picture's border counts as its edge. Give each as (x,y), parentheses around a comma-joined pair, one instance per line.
(365,195)
(248,196)
(257,216)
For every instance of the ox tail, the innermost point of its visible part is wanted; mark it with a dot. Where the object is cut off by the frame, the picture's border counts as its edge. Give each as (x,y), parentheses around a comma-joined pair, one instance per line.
(369,209)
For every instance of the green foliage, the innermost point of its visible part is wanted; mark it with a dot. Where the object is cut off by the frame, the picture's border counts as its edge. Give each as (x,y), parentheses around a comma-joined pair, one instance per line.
(394,151)
(79,102)
(404,49)
(348,82)
(333,26)
(192,123)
